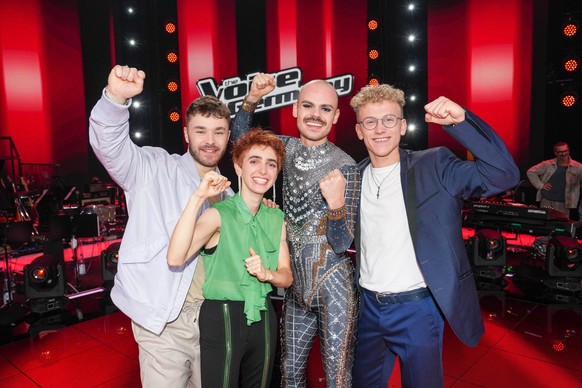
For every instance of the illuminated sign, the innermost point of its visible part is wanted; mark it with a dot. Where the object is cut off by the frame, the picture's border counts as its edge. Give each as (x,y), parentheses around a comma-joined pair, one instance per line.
(288,81)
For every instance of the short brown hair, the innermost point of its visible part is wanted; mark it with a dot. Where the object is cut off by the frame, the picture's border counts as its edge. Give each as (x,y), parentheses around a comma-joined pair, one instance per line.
(208,106)
(260,137)
(372,94)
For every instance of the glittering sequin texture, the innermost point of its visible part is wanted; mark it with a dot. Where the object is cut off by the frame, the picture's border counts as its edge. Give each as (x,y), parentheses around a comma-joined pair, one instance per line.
(323,296)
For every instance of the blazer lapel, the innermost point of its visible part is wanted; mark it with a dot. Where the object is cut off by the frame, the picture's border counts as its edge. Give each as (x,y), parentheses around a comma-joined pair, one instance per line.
(408,179)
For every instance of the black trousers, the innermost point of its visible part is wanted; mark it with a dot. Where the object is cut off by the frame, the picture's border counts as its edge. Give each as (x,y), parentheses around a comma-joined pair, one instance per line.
(232,353)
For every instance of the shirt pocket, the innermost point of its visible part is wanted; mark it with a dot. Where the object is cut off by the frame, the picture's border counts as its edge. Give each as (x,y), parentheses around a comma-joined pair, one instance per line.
(143,252)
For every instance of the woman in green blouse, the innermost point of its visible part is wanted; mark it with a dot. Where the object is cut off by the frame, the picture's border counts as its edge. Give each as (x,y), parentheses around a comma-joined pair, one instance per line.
(243,244)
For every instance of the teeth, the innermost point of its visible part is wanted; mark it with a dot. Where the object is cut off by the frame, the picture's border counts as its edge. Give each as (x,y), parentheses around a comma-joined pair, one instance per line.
(314,124)
(260,180)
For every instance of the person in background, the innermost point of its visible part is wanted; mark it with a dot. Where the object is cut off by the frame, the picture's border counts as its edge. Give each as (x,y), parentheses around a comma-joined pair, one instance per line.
(162,302)
(412,266)
(558,181)
(245,253)
(321,186)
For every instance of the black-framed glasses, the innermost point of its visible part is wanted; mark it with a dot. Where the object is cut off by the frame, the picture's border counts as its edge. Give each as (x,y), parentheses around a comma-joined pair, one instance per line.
(389,121)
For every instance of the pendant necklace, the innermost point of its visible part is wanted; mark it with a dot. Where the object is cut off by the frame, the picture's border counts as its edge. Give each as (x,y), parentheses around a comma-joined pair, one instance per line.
(379,185)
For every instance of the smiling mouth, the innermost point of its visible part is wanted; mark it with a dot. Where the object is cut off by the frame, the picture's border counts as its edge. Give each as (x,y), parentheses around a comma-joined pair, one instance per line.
(260,181)
(314,123)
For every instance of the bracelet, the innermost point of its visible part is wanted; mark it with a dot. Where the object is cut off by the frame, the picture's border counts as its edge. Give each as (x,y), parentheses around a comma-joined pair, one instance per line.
(336,214)
(249,106)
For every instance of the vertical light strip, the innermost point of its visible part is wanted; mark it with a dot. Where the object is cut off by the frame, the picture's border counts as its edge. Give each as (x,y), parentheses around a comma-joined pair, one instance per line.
(328,32)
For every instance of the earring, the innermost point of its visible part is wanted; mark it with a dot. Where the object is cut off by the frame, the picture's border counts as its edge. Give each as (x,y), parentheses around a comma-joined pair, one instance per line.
(274,192)
(239,183)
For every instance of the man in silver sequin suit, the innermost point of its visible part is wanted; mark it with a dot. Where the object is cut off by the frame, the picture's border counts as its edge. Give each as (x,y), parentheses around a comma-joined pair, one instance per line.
(321,186)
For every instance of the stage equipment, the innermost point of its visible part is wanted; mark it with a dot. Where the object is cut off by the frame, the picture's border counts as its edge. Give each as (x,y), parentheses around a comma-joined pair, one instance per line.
(564,257)
(109,259)
(13,234)
(71,228)
(44,284)
(569,98)
(519,218)
(489,248)
(570,28)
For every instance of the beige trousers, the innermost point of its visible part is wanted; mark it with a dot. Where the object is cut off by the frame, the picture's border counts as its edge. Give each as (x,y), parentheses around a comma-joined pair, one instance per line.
(171,359)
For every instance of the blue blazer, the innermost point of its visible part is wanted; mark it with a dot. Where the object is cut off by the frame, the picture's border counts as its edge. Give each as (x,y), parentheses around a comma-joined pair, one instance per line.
(435,184)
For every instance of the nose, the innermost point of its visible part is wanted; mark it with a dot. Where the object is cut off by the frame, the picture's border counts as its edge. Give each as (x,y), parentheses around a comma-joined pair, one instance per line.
(263,168)
(210,138)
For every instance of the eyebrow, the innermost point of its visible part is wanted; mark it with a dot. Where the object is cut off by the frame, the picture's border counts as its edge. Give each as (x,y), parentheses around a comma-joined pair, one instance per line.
(211,129)
(258,157)
(312,103)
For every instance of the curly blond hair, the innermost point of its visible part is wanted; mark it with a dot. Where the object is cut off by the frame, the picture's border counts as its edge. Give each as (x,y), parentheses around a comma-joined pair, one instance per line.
(372,94)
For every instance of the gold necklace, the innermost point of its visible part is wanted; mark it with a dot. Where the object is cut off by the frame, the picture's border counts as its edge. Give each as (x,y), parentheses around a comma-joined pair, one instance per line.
(378,185)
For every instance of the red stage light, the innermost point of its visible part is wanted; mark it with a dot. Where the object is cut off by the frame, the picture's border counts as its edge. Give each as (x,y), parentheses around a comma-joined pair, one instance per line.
(172,57)
(571,64)
(170,27)
(374,81)
(172,86)
(570,28)
(174,116)
(569,99)
(373,54)
(372,25)
(39,274)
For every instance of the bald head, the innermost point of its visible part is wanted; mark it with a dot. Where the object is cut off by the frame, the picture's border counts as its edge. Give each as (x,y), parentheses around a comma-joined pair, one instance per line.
(316,110)
(322,88)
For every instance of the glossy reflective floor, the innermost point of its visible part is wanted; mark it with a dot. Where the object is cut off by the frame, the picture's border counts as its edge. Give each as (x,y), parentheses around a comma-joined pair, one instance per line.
(533,337)
(525,345)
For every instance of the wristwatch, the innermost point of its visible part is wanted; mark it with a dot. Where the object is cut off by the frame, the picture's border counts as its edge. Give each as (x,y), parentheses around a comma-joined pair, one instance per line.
(249,106)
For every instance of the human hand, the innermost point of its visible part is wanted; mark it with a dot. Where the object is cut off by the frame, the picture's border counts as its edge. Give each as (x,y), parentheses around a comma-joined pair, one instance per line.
(255,266)
(262,84)
(547,186)
(124,82)
(212,184)
(333,187)
(270,203)
(444,112)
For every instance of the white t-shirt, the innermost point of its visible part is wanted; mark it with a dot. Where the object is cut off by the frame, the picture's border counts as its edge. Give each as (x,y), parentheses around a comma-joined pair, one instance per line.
(388,262)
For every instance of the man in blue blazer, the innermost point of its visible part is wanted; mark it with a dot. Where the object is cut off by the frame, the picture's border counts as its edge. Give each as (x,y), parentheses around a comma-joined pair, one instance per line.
(413,270)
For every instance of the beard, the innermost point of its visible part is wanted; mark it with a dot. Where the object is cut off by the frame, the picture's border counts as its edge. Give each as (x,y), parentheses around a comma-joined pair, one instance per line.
(205,159)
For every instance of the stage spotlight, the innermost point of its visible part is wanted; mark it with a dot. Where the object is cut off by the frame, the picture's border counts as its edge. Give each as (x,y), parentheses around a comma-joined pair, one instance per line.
(564,257)
(172,86)
(569,99)
(372,24)
(373,54)
(373,80)
(570,28)
(109,259)
(44,284)
(172,57)
(571,63)
(170,27)
(489,248)
(174,115)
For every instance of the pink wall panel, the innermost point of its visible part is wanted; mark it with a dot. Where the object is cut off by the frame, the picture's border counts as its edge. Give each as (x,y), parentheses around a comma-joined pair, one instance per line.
(207,39)
(22,71)
(324,39)
(42,104)
(282,53)
(481,58)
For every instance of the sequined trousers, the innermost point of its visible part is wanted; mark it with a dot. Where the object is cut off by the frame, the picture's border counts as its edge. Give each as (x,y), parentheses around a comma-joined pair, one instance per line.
(328,307)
